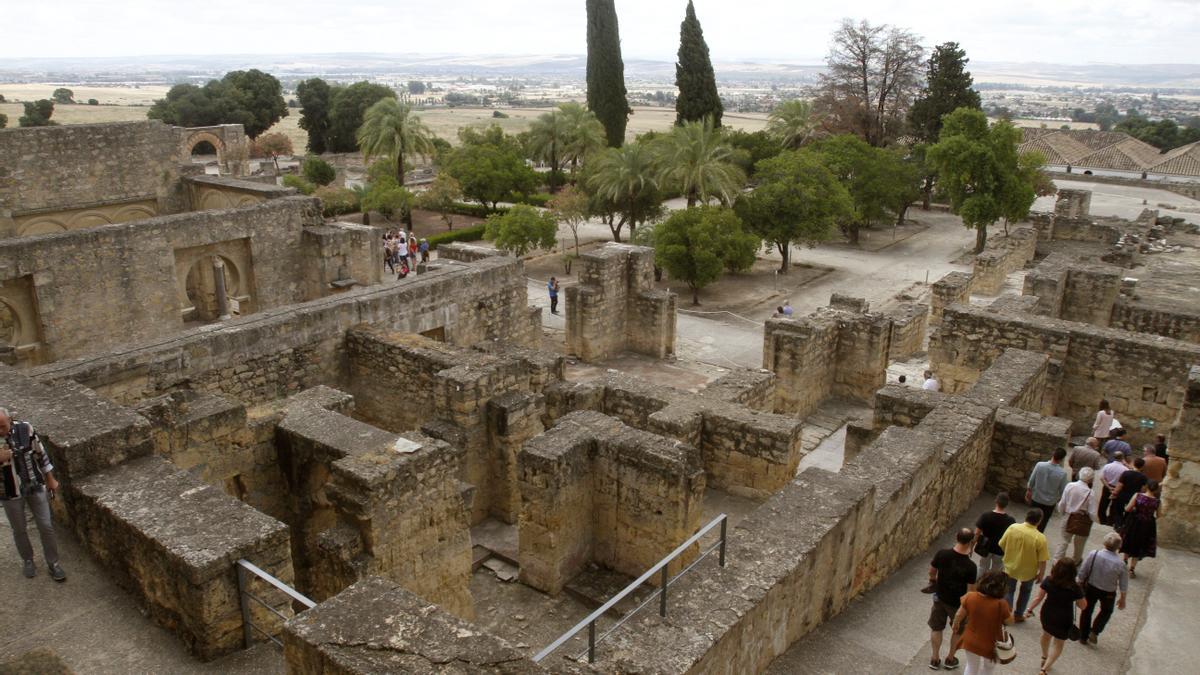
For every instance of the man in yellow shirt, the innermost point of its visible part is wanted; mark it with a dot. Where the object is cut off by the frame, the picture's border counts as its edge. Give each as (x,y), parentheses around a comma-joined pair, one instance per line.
(1025,555)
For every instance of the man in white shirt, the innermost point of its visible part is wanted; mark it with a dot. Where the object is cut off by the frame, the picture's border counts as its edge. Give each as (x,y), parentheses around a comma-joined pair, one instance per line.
(1077,498)
(931,383)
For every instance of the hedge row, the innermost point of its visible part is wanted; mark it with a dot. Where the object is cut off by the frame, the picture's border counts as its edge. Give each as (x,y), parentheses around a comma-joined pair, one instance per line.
(473,233)
(476,210)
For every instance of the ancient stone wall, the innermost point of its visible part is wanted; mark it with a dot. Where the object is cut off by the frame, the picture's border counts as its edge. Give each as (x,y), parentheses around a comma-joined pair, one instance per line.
(1002,257)
(280,352)
(908,331)
(1066,289)
(1181,324)
(754,389)
(952,289)
(1179,526)
(208,193)
(595,490)
(615,308)
(97,166)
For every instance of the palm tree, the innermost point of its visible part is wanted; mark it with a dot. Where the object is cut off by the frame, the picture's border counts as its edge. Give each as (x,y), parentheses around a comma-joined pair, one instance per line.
(792,123)
(626,179)
(391,130)
(548,138)
(696,159)
(585,133)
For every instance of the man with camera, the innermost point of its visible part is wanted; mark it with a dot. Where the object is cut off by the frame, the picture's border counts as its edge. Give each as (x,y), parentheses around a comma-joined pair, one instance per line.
(27,478)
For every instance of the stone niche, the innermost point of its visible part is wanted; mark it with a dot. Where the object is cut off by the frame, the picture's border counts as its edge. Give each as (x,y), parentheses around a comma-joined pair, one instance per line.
(595,490)
(20,325)
(195,271)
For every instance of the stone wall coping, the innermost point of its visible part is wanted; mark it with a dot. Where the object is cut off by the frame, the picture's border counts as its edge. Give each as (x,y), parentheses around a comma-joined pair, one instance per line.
(267,190)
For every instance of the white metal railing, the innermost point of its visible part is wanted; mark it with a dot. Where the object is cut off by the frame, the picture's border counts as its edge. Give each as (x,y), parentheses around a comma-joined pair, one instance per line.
(245,569)
(661,593)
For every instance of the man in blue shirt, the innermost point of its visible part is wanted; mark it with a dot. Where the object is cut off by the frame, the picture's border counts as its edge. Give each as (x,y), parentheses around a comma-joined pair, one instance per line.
(1117,443)
(552,286)
(1046,485)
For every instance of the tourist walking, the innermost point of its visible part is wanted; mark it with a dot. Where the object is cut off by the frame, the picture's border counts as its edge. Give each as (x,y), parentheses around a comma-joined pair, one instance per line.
(980,621)
(1139,536)
(1046,484)
(27,479)
(1160,447)
(952,574)
(931,382)
(1117,443)
(413,248)
(1062,594)
(424,249)
(989,528)
(1087,455)
(1129,484)
(1079,505)
(1109,475)
(1153,466)
(1025,555)
(552,288)
(1103,575)
(1103,424)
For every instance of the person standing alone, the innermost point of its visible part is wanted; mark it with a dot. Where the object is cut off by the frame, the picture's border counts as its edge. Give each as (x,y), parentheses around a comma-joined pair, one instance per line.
(27,479)
(552,288)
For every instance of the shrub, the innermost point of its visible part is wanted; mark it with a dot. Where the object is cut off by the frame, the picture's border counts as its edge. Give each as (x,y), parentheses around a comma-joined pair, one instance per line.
(473,233)
(540,199)
(337,201)
(271,145)
(499,115)
(522,229)
(298,182)
(92,101)
(475,210)
(318,171)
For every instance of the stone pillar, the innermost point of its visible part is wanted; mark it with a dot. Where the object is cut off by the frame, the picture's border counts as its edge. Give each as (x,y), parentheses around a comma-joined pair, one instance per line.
(1179,526)
(222,296)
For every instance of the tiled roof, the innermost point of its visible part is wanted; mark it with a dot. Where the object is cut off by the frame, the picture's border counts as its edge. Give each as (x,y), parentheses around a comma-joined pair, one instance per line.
(1090,149)
(1182,161)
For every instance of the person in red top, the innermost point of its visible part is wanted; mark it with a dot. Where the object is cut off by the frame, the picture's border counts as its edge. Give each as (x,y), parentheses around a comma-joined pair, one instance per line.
(980,620)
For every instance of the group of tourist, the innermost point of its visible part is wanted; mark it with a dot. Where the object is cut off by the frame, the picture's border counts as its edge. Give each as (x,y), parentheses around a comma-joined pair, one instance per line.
(979,601)
(401,250)
(929,383)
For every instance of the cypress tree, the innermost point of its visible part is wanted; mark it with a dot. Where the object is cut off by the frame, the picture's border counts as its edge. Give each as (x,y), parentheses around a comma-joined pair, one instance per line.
(694,75)
(947,88)
(606,95)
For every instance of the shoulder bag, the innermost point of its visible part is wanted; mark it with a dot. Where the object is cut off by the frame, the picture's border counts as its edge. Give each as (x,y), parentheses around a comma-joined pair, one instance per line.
(1006,647)
(1080,522)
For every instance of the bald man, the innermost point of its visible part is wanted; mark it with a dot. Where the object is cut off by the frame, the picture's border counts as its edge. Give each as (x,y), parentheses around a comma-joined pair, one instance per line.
(27,478)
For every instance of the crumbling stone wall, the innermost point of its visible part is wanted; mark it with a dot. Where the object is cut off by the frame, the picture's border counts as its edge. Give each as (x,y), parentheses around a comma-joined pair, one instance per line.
(1179,526)
(615,307)
(1069,290)
(952,289)
(908,331)
(48,173)
(1002,257)
(207,193)
(593,489)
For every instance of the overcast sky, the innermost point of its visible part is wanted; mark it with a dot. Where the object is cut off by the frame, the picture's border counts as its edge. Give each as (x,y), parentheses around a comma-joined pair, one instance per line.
(1060,31)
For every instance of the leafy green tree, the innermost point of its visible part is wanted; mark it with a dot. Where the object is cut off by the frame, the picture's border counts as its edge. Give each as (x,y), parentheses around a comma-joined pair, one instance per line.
(251,98)
(698,98)
(792,123)
(390,129)
(317,171)
(315,97)
(440,196)
(37,114)
(948,87)
(547,141)
(92,101)
(271,145)
(337,201)
(624,182)
(416,87)
(694,245)
(261,95)
(876,179)
(750,148)
(521,229)
(606,94)
(696,159)
(585,133)
(63,96)
(980,170)
(489,166)
(389,199)
(1165,134)
(798,201)
(570,208)
(347,107)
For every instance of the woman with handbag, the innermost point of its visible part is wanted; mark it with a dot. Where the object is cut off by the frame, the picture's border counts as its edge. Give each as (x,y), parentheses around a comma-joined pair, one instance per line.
(980,620)
(1078,504)
(1062,594)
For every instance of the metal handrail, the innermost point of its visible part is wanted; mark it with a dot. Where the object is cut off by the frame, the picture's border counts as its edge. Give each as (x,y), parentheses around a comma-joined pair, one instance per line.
(661,593)
(245,568)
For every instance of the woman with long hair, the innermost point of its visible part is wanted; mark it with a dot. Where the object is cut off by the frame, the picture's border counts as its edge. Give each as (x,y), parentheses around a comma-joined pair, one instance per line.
(1062,594)
(985,613)
(1104,420)
(1139,536)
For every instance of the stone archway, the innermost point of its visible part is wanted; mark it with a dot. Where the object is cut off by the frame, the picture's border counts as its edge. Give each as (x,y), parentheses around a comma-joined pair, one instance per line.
(200,285)
(194,138)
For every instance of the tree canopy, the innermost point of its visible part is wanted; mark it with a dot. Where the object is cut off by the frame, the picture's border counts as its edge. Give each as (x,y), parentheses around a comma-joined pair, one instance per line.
(623,182)
(698,98)
(606,94)
(948,87)
(792,123)
(440,196)
(797,201)
(37,114)
(390,129)
(315,97)
(251,98)
(878,180)
(348,106)
(695,245)
(522,229)
(489,166)
(1163,134)
(696,159)
(63,95)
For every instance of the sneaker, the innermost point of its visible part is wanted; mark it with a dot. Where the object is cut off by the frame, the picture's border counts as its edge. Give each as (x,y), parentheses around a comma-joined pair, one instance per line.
(29,569)
(57,573)
(951,663)
(935,664)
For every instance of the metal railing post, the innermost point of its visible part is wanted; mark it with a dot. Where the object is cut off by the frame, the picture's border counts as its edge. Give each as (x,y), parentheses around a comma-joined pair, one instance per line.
(721,553)
(592,642)
(247,629)
(662,598)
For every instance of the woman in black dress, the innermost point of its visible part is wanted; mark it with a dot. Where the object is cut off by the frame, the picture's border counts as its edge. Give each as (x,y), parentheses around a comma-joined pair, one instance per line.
(1139,537)
(1062,594)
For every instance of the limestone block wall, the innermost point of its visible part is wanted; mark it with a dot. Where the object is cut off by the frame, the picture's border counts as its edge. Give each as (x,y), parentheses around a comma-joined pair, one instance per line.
(205,193)
(898,405)
(1073,203)
(754,389)
(392,375)
(173,541)
(1020,440)
(593,489)
(1179,526)
(615,308)
(908,331)
(1002,257)
(952,289)
(1179,324)
(48,170)
(276,353)
(863,348)
(1074,291)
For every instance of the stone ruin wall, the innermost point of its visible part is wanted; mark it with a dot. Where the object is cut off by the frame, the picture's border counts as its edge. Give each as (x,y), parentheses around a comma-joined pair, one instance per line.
(615,308)
(1002,257)
(1179,526)
(952,289)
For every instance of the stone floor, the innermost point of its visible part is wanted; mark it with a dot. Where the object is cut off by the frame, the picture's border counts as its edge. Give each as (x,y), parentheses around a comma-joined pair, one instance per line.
(885,632)
(823,437)
(93,625)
